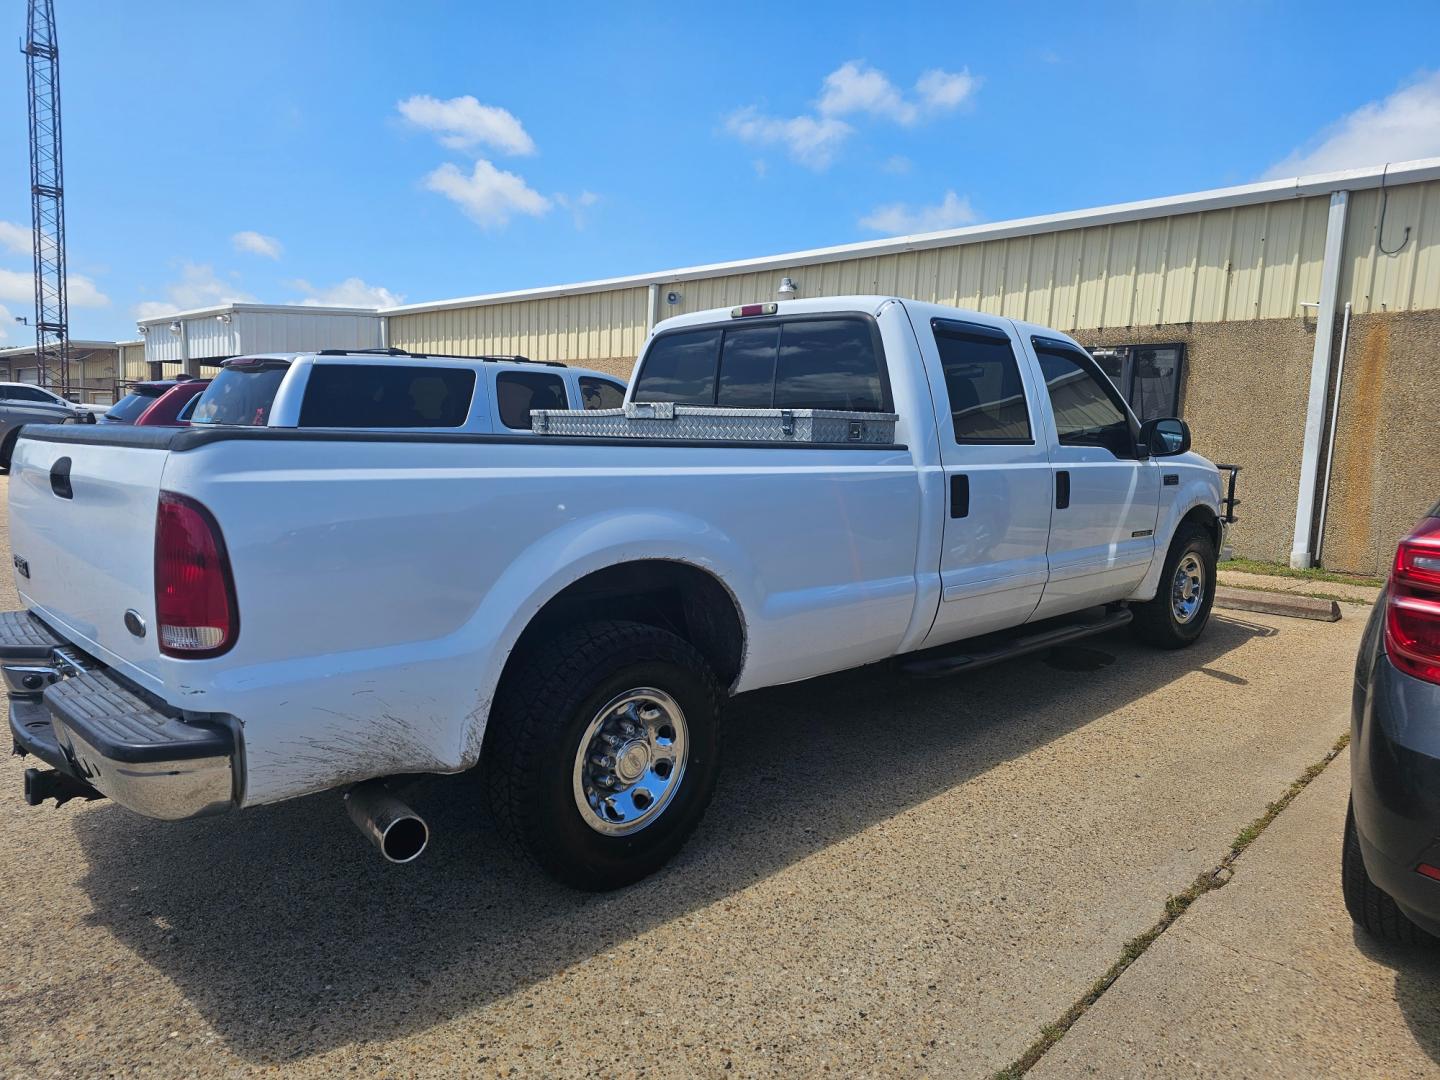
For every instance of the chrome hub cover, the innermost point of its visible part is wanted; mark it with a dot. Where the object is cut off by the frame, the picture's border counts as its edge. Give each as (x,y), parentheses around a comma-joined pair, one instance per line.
(630,761)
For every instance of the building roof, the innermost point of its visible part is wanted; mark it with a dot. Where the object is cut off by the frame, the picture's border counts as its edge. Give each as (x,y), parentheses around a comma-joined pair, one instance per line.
(256,309)
(1407,172)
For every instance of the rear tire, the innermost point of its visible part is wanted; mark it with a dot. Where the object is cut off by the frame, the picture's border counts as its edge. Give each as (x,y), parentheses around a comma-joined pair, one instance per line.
(633,695)
(7,449)
(1373,909)
(1177,615)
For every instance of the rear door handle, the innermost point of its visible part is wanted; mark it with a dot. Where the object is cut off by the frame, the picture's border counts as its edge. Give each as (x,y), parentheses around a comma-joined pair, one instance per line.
(959,495)
(1062,490)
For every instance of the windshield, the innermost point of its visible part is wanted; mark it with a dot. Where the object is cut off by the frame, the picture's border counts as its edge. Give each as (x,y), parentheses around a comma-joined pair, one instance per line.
(128,409)
(241,394)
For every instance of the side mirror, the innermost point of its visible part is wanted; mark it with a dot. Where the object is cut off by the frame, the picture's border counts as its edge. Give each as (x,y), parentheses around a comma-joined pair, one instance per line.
(1165,437)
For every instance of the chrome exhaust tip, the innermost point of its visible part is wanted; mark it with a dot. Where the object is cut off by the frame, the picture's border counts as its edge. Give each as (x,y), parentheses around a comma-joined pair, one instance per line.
(397,832)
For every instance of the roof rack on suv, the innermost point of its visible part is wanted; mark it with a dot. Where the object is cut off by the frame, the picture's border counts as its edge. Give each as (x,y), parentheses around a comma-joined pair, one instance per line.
(516,359)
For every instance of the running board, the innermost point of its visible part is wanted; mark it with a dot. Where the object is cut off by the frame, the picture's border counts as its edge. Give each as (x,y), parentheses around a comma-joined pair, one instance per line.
(938,667)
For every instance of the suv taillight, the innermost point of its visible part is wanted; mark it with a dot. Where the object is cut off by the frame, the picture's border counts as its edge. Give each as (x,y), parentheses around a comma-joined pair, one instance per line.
(194,592)
(1412,617)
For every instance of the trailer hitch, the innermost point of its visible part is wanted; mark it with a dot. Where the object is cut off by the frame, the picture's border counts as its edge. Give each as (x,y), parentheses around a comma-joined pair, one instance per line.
(42,784)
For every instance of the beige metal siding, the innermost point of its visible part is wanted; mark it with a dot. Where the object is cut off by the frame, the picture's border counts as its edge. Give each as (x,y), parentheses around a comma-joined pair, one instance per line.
(589,326)
(1236,264)
(132,361)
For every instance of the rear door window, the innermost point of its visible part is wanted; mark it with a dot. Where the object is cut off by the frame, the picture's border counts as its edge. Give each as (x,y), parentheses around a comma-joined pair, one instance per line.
(386,396)
(600,393)
(517,392)
(241,394)
(825,363)
(982,381)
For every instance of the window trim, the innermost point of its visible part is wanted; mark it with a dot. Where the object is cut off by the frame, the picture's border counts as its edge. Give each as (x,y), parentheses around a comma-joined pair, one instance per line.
(499,412)
(887,400)
(961,328)
(1057,345)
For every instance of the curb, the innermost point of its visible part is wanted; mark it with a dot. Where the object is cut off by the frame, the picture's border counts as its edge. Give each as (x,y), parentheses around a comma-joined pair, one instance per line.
(1294,606)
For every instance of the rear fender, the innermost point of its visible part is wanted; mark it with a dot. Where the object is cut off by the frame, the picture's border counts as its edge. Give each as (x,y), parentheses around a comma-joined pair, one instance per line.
(577,550)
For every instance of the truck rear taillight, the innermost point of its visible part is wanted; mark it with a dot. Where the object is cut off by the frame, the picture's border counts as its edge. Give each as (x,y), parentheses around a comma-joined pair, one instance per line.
(1412,616)
(194,592)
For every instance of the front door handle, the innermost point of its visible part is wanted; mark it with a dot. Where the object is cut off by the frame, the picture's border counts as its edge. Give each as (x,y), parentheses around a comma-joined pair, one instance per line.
(1062,490)
(959,495)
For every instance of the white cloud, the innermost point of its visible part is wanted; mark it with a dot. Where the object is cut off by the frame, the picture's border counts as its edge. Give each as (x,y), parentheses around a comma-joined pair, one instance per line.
(7,320)
(897,165)
(812,141)
(255,243)
(198,287)
(19,287)
(15,238)
(578,205)
(352,292)
(942,90)
(1402,127)
(488,196)
(855,88)
(463,123)
(897,219)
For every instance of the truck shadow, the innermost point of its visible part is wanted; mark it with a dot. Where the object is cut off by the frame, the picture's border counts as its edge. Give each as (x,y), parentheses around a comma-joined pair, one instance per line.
(292,937)
(1417,986)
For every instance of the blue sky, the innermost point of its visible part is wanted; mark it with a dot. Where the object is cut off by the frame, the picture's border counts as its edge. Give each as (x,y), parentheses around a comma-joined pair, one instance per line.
(321,151)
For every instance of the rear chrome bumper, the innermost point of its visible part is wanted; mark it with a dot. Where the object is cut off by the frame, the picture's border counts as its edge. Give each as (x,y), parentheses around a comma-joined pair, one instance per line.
(87,722)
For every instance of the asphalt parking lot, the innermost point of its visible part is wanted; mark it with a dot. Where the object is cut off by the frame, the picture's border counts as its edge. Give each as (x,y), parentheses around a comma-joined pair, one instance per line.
(894,878)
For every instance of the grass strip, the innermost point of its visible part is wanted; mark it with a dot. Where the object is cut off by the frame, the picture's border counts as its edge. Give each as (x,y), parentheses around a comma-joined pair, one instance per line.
(1175,906)
(1275,569)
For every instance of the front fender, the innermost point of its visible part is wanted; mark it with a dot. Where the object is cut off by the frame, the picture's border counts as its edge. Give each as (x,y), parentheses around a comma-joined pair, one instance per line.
(576,550)
(1199,486)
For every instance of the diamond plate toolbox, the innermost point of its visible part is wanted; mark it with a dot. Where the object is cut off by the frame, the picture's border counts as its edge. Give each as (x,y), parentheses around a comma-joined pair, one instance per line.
(667,420)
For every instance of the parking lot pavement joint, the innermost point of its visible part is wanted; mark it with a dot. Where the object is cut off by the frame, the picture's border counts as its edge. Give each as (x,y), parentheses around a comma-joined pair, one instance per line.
(1175,906)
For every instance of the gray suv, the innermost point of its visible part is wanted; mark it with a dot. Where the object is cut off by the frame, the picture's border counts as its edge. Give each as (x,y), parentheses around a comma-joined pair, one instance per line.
(25,403)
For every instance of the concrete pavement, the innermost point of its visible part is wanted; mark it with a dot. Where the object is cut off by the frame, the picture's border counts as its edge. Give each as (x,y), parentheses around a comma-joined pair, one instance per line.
(1267,976)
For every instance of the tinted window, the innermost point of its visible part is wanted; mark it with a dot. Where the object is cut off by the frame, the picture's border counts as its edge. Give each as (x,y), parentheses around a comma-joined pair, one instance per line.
(240,394)
(1155,389)
(1087,407)
(982,380)
(680,367)
(747,367)
(128,409)
(26,393)
(600,393)
(828,364)
(520,391)
(382,396)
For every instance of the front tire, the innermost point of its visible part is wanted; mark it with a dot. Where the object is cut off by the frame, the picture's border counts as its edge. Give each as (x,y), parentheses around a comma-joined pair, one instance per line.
(7,449)
(602,752)
(1373,909)
(1176,617)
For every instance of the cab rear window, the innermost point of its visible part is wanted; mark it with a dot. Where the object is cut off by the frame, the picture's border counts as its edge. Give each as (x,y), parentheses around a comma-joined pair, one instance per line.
(385,396)
(809,363)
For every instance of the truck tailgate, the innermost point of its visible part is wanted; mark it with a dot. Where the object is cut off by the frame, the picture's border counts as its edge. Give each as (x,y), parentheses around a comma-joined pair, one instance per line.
(82,529)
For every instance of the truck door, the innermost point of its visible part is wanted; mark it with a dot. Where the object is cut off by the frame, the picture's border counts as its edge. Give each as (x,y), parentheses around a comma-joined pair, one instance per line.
(1105,496)
(997,476)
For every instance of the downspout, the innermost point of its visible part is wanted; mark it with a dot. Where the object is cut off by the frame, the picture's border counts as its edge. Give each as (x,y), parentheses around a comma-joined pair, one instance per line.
(652,308)
(1330,443)
(1301,550)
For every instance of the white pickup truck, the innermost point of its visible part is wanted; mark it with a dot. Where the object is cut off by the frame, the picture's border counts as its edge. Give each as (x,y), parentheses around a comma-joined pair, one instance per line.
(226,616)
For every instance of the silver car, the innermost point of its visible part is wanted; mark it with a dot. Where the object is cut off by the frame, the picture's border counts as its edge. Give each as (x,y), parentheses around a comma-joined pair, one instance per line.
(25,403)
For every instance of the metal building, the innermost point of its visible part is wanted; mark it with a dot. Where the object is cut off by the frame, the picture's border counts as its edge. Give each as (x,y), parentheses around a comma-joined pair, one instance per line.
(187,341)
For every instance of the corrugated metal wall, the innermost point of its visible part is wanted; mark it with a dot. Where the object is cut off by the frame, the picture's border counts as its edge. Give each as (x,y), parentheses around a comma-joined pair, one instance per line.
(132,361)
(588,326)
(1245,263)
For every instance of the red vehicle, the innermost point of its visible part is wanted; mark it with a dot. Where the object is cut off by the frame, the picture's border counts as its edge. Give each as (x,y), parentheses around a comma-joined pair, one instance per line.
(174,406)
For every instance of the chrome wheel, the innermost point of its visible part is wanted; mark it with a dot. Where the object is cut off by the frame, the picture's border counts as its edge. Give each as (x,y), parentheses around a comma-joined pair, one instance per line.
(1187,591)
(630,761)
